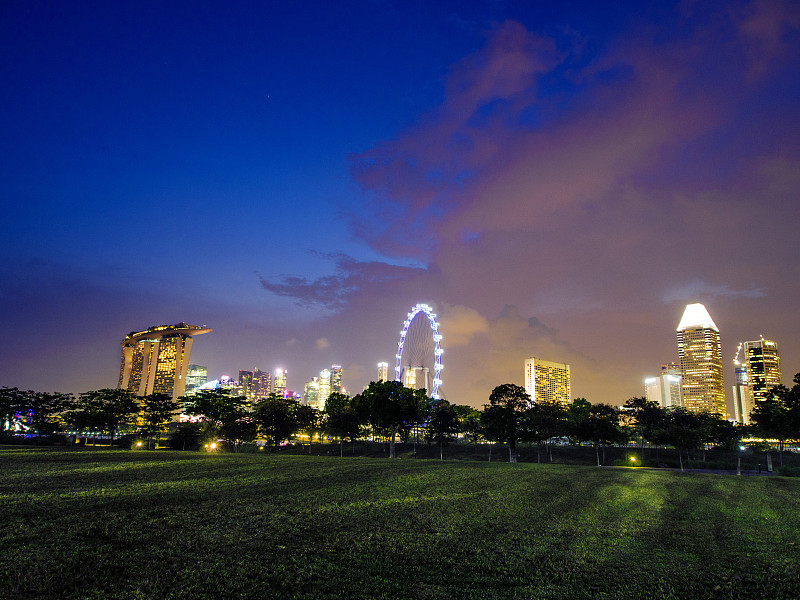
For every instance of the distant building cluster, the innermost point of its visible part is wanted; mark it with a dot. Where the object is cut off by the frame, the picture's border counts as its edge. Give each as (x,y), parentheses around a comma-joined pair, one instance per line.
(696,382)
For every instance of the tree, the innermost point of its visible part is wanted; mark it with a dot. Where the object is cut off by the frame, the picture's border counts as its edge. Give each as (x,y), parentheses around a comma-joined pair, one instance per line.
(544,421)
(186,436)
(388,406)
(275,415)
(106,409)
(503,417)
(156,411)
(577,411)
(442,425)
(8,405)
(648,419)
(683,431)
(469,419)
(238,428)
(778,415)
(308,421)
(342,421)
(601,427)
(214,408)
(41,409)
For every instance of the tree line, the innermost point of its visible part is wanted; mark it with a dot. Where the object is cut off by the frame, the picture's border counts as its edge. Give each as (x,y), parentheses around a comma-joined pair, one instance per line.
(388,410)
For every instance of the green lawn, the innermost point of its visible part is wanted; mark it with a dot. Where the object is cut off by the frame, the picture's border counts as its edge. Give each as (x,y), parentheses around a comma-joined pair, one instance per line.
(118,524)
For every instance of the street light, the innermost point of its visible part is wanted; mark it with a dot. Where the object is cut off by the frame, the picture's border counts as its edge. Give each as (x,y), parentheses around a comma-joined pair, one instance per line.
(739,460)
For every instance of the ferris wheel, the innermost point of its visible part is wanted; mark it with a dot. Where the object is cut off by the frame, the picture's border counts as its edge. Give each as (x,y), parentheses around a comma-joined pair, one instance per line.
(419,351)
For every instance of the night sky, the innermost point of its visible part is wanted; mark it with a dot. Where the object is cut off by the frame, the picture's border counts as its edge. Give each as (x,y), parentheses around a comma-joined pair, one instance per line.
(556,179)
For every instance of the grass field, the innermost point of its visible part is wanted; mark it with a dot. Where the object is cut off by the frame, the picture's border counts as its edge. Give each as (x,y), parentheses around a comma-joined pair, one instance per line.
(118,524)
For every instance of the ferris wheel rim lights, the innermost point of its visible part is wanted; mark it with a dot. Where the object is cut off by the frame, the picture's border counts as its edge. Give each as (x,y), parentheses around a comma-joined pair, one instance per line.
(437,339)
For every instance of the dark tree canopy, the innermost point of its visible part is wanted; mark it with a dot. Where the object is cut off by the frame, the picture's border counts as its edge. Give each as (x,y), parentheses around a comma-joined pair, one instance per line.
(503,417)
(388,406)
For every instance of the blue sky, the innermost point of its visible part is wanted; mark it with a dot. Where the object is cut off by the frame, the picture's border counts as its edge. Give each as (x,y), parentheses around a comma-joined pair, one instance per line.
(556,179)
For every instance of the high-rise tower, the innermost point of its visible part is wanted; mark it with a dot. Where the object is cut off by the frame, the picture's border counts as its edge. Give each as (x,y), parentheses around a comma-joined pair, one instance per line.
(336,378)
(763,367)
(666,389)
(324,386)
(196,375)
(383,371)
(247,385)
(547,381)
(700,354)
(262,382)
(279,382)
(156,360)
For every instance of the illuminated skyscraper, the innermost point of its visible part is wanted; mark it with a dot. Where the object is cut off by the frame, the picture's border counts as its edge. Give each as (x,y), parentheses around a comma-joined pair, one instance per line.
(336,378)
(324,385)
(311,395)
(156,361)
(196,375)
(383,371)
(262,382)
(666,389)
(247,386)
(763,367)
(547,381)
(701,362)
(742,396)
(279,382)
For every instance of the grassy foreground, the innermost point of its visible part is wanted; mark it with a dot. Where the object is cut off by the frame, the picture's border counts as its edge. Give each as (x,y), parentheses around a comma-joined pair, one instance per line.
(116,524)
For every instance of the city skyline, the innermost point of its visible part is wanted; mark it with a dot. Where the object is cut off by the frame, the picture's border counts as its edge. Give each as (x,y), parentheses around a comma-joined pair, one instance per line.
(555,180)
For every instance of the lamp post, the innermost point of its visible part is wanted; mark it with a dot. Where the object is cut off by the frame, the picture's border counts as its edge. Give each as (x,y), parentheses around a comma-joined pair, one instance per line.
(739,460)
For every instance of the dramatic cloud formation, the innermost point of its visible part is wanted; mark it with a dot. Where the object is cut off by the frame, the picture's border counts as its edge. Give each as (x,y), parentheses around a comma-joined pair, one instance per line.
(598,195)
(555,179)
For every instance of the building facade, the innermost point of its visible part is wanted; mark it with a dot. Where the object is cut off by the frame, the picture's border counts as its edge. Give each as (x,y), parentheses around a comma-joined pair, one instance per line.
(311,394)
(763,366)
(279,382)
(262,382)
(156,360)
(383,371)
(547,381)
(742,396)
(665,389)
(336,378)
(700,352)
(196,375)
(247,386)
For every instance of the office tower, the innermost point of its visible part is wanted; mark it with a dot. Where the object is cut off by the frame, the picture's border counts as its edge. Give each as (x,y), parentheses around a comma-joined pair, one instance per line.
(262,382)
(156,360)
(336,378)
(383,371)
(311,395)
(324,385)
(700,352)
(279,382)
(763,367)
(247,386)
(665,389)
(196,375)
(547,381)
(742,395)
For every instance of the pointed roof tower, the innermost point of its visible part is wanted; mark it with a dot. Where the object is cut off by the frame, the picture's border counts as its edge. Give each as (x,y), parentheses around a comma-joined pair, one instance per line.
(696,316)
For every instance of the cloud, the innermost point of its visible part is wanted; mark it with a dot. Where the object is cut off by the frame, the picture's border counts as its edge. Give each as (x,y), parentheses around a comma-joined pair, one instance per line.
(336,291)
(693,290)
(461,324)
(567,206)
(322,343)
(763,29)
